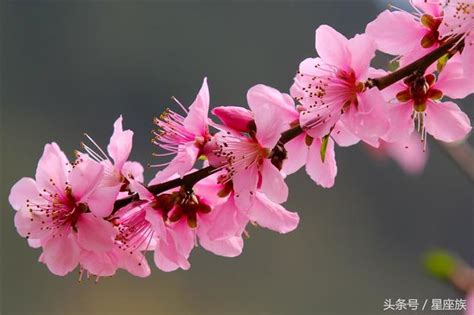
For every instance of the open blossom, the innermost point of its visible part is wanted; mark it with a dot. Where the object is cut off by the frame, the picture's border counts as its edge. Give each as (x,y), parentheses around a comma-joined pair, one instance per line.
(332,88)
(246,156)
(458,20)
(408,35)
(119,173)
(230,219)
(184,137)
(53,210)
(418,102)
(181,219)
(304,149)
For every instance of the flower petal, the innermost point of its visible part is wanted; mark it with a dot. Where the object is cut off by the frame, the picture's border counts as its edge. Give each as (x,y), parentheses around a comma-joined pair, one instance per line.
(234,117)
(120,144)
(446,121)
(273,183)
(270,124)
(342,135)
(95,234)
(61,254)
(362,49)
(101,200)
(397,40)
(245,185)
(53,166)
(297,153)
(23,190)
(323,173)
(272,215)
(85,176)
(196,121)
(332,47)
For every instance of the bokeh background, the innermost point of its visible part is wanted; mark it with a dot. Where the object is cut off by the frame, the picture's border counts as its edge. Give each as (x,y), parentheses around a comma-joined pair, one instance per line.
(69,67)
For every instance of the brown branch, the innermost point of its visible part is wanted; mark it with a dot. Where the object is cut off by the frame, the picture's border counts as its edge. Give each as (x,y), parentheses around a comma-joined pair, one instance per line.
(419,65)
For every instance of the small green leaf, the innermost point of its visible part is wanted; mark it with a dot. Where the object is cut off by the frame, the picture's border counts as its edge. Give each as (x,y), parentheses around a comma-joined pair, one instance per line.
(324,147)
(393,65)
(440,263)
(442,62)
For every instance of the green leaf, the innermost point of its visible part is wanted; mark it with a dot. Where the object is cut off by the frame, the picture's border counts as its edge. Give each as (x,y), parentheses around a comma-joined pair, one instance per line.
(393,65)
(324,147)
(440,263)
(442,62)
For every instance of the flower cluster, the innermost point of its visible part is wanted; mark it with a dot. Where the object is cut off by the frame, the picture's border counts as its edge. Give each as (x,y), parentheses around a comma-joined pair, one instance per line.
(97,213)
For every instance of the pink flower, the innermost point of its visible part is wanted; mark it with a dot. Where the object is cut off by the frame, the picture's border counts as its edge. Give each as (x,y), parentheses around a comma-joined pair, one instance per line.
(409,153)
(331,88)
(409,35)
(245,156)
(180,219)
(119,173)
(230,220)
(304,149)
(418,101)
(53,210)
(184,136)
(458,20)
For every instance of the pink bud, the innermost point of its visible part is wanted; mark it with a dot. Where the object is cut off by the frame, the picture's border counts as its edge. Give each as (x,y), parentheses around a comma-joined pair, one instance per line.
(234,117)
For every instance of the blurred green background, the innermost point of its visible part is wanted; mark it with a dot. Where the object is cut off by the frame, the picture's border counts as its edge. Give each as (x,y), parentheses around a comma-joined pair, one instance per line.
(69,67)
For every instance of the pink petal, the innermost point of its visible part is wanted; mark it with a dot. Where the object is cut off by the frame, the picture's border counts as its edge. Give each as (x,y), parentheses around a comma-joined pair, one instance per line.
(234,117)
(397,40)
(273,183)
(53,166)
(245,185)
(318,122)
(446,121)
(323,173)
(120,144)
(297,152)
(183,162)
(268,118)
(196,122)
(409,154)
(61,254)
(231,247)
(283,103)
(342,135)
(401,122)
(133,170)
(229,221)
(467,58)
(136,263)
(369,121)
(452,81)
(362,49)
(101,200)
(85,176)
(95,234)
(99,264)
(272,215)
(23,190)
(332,47)
(433,8)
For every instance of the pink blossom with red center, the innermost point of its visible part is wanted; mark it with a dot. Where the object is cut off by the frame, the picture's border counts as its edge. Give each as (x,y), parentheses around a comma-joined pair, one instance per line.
(331,88)
(183,136)
(245,155)
(415,34)
(120,175)
(53,210)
